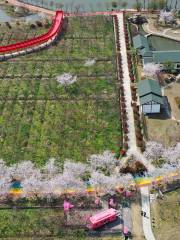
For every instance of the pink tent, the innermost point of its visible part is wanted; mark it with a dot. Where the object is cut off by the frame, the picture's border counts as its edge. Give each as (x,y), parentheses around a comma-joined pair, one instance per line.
(128,194)
(97,201)
(67,206)
(112,203)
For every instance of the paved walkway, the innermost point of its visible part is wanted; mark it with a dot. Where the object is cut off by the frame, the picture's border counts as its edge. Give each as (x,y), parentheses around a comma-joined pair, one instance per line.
(149,30)
(127,84)
(146,208)
(131,127)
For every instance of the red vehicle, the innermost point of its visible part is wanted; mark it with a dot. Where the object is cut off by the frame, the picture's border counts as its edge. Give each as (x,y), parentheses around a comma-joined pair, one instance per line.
(102,218)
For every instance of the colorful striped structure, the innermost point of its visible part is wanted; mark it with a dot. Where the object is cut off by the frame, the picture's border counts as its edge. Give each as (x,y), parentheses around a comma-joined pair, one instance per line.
(16,188)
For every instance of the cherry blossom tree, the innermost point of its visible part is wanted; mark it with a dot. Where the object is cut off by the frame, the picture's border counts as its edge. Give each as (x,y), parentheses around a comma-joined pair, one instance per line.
(151,70)
(172,154)
(126,180)
(153,150)
(25,170)
(165,170)
(50,169)
(66,79)
(102,182)
(77,169)
(90,62)
(156,151)
(5,178)
(108,184)
(166,17)
(50,181)
(104,162)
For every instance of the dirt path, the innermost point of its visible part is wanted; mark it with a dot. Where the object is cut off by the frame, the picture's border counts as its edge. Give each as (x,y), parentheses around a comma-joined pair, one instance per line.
(168,32)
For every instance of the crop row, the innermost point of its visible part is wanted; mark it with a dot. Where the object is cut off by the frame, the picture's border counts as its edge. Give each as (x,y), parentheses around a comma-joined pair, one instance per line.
(48,88)
(54,68)
(38,130)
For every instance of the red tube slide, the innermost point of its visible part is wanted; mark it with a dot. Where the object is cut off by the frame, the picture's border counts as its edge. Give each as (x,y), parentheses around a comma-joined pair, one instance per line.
(55,28)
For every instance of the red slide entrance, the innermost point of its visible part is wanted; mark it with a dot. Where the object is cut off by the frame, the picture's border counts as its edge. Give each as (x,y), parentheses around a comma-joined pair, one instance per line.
(55,28)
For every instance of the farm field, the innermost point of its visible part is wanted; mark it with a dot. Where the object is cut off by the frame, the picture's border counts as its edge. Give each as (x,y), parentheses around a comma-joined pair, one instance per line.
(166,213)
(41,224)
(30,223)
(40,118)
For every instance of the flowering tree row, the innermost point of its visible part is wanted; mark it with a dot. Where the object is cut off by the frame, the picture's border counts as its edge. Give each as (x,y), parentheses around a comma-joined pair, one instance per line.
(100,172)
(51,180)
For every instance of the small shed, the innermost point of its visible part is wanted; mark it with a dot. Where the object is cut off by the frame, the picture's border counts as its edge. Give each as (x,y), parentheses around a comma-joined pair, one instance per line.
(150,96)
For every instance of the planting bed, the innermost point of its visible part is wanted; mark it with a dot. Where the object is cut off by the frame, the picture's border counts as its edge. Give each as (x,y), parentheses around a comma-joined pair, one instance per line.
(39,118)
(30,223)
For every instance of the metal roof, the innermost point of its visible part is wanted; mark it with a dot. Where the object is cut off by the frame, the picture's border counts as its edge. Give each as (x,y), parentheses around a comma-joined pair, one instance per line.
(145,52)
(149,90)
(147,60)
(140,41)
(166,56)
(151,97)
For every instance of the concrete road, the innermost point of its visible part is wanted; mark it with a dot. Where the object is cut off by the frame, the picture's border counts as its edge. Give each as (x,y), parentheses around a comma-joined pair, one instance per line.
(148,233)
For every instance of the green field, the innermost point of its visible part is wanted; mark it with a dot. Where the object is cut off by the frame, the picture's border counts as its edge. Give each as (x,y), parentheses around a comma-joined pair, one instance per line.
(166,213)
(30,223)
(39,118)
(41,224)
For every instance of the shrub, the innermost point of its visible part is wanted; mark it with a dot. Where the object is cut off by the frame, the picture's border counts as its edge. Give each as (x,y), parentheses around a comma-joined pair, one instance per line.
(136,117)
(143,148)
(137,123)
(124,124)
(32,26)
(39,24)
(138,130)
(136,110)
(126,138)
(126,130)
(8,25)
(122,99)
(139,143)
(122,152)
(139,167)
(134,98)
(139,137)
(123,105)
(123,111)
(125,145)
